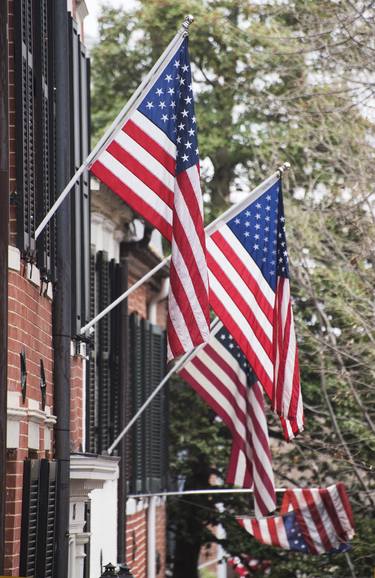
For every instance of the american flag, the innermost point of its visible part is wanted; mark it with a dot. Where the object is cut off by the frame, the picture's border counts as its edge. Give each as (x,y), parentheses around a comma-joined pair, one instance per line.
(152,163)
(314,521)
(221,375)
(249,290)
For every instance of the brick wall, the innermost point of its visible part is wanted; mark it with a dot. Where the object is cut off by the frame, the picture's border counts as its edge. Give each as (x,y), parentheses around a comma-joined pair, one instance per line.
(76,405)
(29,330)
(136,543)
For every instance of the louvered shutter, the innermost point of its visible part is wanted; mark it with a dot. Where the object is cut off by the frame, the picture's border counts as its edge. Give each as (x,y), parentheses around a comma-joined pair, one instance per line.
(138,396)
(44,145)
(115,286)
(38,519)
(25,126)
(29,525)
(158,425)
(80,199)
(92,374)
(103,285)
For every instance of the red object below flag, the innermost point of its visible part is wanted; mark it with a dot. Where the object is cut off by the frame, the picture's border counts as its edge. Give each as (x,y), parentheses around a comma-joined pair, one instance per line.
(152,163)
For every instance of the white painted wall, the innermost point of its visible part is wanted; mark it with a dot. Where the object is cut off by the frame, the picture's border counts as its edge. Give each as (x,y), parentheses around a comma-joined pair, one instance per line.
(103,526)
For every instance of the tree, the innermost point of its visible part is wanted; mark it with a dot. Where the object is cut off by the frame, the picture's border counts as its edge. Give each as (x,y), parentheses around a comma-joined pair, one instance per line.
(279,81)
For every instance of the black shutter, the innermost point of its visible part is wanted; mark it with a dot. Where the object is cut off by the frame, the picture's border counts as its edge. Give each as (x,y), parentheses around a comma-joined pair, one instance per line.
(80,198)
(158,413)
(25,128)
(115,287)
(38,519)
(44,143)
(137,361)
(91,374)
(29,524)
(103,287)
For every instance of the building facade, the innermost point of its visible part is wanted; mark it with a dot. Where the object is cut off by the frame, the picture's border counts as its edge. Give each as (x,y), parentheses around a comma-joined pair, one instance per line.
(66,510)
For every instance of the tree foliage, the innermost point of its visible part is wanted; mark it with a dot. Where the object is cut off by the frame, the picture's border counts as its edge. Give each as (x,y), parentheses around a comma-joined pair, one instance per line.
(274,81)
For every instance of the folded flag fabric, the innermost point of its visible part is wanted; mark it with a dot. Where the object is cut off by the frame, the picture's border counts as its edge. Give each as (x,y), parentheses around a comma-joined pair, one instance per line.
(152,163)
(221,375)
(249,291)
(313,521)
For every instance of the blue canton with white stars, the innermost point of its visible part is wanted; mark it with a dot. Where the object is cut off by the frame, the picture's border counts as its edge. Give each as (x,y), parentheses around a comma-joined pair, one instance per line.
(294,534)
(260,228)
(230,345)
(170,106)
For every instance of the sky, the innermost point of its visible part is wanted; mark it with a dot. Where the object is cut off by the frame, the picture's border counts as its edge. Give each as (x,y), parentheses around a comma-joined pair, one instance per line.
(93,6)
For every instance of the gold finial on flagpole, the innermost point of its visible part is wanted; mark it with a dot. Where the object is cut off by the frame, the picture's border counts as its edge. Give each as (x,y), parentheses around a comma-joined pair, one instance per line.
(283,168)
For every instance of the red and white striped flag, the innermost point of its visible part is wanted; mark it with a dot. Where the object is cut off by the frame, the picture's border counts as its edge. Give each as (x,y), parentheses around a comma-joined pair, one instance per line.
(152,163)
(220,374)
(313,522)
(249,291)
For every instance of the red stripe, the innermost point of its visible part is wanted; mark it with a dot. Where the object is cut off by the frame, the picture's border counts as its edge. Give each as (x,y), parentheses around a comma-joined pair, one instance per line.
(257,533)
(195,210)
(132,199)
(220,361)
(213,403)
(174,342)
(227,284)
(151,146)
(345,502)
(185,305)
(273,532)
(242,342)
(290,497)
(218,385)
(333,515)
(315,514)
(184,245)
(141,172)
(244,273)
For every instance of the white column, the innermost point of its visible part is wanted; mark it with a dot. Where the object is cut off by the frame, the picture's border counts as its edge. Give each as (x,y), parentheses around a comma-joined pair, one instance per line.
(151,537)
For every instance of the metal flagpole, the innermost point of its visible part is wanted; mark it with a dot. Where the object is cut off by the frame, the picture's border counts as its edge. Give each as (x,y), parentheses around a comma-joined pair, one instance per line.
(228,214)
(173,370)
(201,492)
(120,119)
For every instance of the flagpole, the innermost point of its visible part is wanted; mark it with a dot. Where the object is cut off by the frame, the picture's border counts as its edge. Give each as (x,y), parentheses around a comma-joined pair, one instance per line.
(180,363)
(202,492)
(120,119)
(228,214)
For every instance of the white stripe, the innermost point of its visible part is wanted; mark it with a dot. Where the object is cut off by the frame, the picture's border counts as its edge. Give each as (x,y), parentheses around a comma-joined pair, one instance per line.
(136,185)
(239,284)
(178,322)
(325,518)
(189,227)
(241,468)
(154,132)
(194,178)
(186,282)
(305,512)
(263,526)
(287,385)
(225,381)
(340,511)
(281,533)
(218,397)
(248,263)
(242,323)
(146,159)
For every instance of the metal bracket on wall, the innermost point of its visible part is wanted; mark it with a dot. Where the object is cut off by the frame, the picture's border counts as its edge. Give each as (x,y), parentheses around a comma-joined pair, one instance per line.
(23,375)
(43,384)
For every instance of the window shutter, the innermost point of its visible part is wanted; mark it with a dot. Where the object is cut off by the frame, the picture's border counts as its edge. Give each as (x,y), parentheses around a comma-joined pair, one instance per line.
(38,519)
(138,396)
(91,374)
(115,282)
(103,352)
(44,145)
(30,497)
(80,198)
(25,152)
